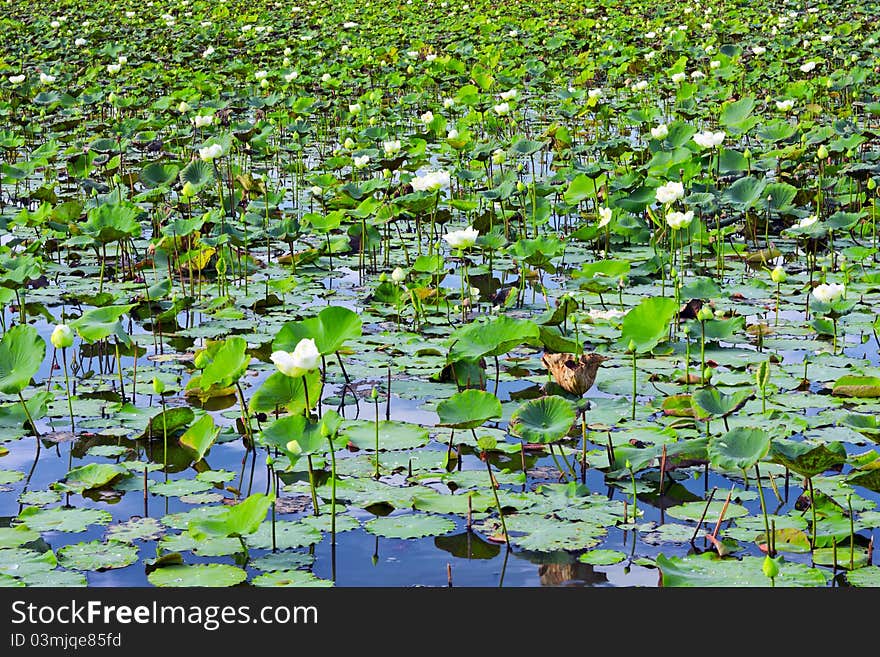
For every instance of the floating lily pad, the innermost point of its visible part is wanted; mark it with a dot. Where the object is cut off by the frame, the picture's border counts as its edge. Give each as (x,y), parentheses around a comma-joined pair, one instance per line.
(416,525)
(110,451)
(344,522)
(7,581)
(288,534)
(10,476)
(693,511)
(868,576)
(137,529)
(283,561)
(602,557)
(96,555)
(213,575)
(92,475)
(708,570)
(857,386)
(63,520)
(178,487)
(205,547)
(181,520)
(12,537)
(393,435)
(294,578)
(216,476)
(55,579)
(201,498)
(20,562)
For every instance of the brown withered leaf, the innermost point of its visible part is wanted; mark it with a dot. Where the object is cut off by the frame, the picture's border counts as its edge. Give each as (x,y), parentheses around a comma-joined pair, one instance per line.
(573,374)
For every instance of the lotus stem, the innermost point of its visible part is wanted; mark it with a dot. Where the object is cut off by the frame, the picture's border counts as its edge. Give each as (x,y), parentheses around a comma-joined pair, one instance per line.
(705,511)
(315,508)
(119,368)
(333,489)
(702,352)
(376,404)
(30,420)
(764,512)
(497,501)
(852,533)
(165,439)
(813,509)
(635,384)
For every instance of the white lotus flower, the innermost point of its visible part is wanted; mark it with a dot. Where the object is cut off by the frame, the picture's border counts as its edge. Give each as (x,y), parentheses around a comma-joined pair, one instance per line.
(211,152)
(678,77)
(785,105)
(208,52)
(360,161)
(348,143)
(807,67)
(452,134)
(349,24)
(696,75)
(427,117)
(303,359)
(113,69)
(354,108)
(715,63)
(660,132)
(594,93)
(290,77)
(316,191)
(462,239)
(430,57)
(122,59)
(62,336)
(605,215)
(260,75)
(670,192)
(641,85)
(16,79)
(502,109)
(679,220)
(398,275)
(806,222)
(203,121)
(448,102)
(46,79)
(391,147)
(508,95)
(430,181)
(80,42)
(326,77)
(610,314)
(758,50)
(184,107)
(828,292)
(709,139)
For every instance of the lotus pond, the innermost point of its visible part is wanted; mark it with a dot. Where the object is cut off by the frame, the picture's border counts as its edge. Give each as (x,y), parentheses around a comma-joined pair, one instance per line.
(431,293)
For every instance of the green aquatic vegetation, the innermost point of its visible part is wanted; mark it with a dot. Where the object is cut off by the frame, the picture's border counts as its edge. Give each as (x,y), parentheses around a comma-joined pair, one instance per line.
(362,251)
